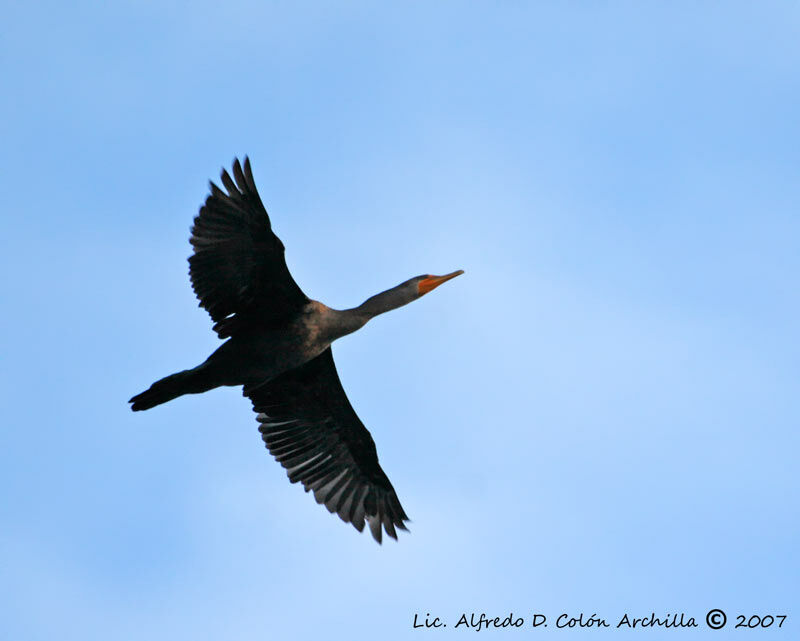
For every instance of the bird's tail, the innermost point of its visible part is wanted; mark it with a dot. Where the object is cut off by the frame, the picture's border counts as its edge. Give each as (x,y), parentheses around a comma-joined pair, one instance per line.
(169,387)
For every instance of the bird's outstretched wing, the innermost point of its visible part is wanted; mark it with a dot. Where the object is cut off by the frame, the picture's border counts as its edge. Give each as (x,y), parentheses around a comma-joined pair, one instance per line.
(310,427)
(238,269)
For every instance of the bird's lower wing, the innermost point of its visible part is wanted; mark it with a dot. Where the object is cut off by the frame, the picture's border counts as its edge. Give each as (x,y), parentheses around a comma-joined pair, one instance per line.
(310,427)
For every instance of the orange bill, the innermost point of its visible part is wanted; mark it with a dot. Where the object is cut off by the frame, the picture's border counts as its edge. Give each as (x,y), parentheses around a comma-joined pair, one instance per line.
(431,282)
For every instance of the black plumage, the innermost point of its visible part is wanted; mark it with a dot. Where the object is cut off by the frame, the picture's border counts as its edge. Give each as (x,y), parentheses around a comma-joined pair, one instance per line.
(238,270)
(310,427)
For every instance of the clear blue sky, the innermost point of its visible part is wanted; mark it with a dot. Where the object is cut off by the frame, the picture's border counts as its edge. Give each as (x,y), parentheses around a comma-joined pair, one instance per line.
(600,416)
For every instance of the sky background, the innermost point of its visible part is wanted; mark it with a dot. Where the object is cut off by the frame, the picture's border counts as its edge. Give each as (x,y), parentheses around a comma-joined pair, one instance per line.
(600,416)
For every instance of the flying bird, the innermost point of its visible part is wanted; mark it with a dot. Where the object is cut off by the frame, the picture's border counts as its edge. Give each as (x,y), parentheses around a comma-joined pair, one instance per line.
(278,347)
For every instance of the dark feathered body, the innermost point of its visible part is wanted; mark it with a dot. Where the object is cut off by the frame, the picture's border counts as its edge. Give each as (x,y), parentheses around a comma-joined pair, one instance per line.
(254,356)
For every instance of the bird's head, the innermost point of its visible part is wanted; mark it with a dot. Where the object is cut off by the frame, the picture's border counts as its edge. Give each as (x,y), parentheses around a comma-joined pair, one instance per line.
(404,293)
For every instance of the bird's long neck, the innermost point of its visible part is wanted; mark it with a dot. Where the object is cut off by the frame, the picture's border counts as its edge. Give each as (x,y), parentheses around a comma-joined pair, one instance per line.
(349,320)
(385,301)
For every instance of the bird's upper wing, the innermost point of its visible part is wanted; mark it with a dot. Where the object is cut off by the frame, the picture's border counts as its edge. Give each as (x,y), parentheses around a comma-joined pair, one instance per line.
(238,269)
(310,427)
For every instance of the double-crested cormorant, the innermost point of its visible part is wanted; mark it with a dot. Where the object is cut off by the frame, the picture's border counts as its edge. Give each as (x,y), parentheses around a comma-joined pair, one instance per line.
(279,349)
